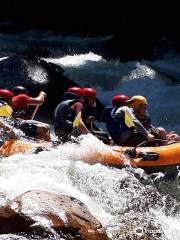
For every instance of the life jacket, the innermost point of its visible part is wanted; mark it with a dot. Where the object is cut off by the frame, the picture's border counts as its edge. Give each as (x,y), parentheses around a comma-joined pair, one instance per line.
(64,113)
(106,114)
(115,124)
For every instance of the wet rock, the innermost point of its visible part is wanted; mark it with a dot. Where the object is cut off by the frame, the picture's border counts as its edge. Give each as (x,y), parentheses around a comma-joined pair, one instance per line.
(37,75)
(48,213)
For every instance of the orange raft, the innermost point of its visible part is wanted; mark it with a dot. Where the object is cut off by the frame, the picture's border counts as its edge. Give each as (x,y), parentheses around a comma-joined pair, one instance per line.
(12,147)
(151,159)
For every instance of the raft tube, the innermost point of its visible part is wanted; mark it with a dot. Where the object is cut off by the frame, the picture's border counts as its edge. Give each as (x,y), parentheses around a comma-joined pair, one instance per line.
(151,159)
(12,147)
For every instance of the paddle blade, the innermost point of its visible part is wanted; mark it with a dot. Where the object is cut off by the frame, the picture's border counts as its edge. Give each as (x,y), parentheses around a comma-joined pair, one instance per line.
(6,111)
(129,120)
(77,120)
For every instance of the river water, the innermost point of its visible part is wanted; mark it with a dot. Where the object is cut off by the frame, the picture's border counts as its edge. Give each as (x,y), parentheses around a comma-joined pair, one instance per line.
(127,202)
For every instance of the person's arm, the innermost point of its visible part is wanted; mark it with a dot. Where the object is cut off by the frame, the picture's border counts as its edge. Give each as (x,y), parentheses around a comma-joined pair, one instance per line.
(140,128)
(39,100)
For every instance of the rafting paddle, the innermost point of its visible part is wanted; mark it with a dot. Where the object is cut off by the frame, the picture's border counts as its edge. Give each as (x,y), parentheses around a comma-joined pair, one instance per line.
(34,112)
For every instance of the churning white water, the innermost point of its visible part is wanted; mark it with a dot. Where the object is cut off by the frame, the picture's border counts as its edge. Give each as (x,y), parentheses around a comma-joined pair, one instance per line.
(117,197)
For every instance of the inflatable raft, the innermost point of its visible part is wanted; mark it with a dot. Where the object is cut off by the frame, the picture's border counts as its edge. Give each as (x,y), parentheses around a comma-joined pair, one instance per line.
(151,159)
(12,147)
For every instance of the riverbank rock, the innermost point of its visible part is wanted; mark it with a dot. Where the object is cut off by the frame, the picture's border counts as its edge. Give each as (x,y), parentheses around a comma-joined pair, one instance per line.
(48,213)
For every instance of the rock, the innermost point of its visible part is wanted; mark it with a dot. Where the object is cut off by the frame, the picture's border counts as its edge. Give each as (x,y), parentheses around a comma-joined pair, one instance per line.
(45,212)
(36,74)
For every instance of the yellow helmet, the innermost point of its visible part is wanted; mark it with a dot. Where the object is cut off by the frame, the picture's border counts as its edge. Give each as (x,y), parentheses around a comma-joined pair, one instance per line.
(135,101)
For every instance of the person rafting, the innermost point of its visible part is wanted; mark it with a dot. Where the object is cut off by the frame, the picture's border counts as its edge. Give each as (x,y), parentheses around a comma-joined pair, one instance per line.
(140,107)
(68,115)
(89,115)
(123,126)
(75,115)
(117,101)
(20,103)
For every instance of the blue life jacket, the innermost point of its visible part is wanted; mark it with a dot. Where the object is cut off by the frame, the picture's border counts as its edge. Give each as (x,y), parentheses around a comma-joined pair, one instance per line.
(115,124)
(64,113)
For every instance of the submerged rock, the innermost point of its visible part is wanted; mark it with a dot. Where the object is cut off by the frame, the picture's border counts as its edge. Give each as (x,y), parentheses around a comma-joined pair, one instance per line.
(48,213)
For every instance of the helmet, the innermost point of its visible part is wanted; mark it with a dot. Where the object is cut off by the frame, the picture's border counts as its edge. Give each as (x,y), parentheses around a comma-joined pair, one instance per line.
(77,90)
(135,101)
(88,92)
(119,100)
(6,94)
(19,90)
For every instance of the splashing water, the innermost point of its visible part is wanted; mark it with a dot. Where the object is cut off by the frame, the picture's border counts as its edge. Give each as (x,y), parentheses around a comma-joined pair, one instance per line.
(113,196)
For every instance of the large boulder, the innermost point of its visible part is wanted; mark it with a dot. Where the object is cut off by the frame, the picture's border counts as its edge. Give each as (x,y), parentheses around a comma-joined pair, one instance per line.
(45,212)
(36,74)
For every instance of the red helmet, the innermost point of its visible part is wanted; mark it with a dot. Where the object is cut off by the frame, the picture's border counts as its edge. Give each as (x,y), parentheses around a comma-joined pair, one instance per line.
(77,90)
(119,100)
(88,92)
(6,94)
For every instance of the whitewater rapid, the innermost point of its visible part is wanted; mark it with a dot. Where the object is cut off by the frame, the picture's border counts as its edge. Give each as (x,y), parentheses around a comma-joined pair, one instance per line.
(118,198)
